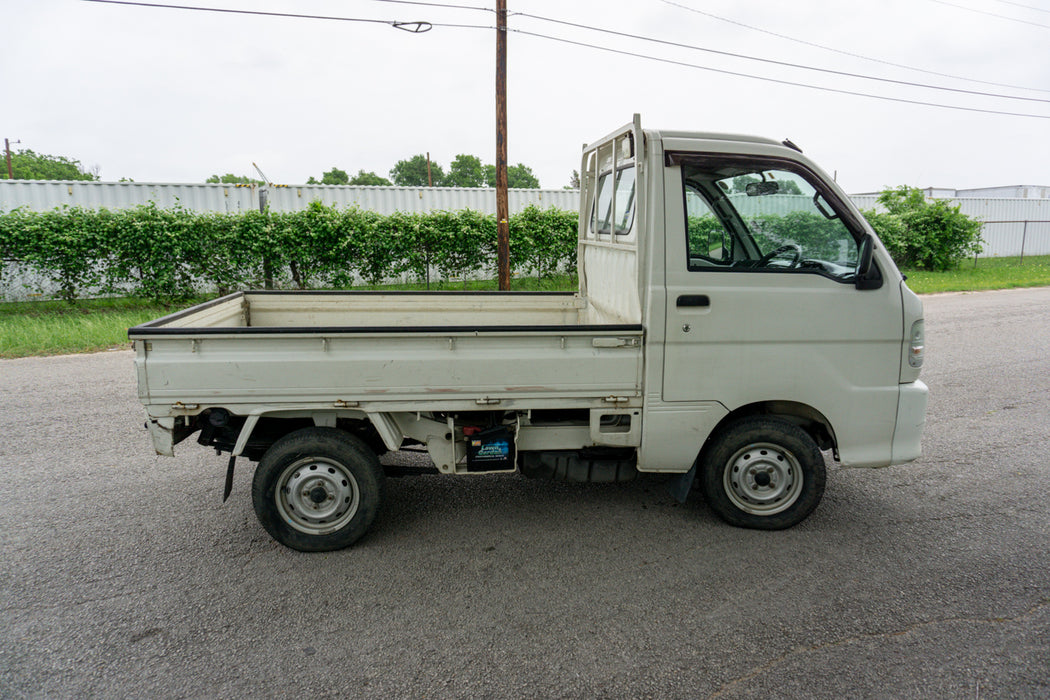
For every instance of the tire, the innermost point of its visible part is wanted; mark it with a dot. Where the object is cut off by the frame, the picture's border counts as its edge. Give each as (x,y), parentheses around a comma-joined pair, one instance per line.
(317,489)
(762,473)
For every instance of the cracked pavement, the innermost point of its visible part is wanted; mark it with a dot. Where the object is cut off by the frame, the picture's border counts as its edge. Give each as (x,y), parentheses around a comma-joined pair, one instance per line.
(122,574)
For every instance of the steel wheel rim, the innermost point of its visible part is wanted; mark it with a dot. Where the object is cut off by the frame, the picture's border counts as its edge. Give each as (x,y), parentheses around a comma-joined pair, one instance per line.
(762,479)
(317,496)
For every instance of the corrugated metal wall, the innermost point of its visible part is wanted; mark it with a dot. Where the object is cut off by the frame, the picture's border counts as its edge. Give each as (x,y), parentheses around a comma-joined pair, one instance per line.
(983,208)
(1005,230)
(42,195)
(387,200)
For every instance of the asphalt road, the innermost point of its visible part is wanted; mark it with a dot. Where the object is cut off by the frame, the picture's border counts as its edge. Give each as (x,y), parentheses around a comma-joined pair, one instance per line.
(123,575)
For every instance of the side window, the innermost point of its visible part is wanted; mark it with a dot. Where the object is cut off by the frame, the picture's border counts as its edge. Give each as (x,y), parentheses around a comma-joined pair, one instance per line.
(619,191)
(753,218)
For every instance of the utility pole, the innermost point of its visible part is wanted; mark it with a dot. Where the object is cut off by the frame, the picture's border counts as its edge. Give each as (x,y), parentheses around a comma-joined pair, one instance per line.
(7,152)
(502,204)
(263,204)
(430,179)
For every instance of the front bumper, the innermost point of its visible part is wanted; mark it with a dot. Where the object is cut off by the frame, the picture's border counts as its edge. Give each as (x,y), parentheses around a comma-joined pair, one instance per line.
(911,419)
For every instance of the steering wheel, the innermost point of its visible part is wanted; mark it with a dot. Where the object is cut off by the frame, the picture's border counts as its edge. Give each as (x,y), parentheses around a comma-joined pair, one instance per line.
(796,258)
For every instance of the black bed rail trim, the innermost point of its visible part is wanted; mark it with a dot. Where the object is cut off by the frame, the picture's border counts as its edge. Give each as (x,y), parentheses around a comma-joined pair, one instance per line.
(151,330)
(401,292)
(186,312)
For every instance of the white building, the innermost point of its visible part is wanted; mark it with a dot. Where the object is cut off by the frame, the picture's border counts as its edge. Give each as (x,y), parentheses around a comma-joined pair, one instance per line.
(1006,192)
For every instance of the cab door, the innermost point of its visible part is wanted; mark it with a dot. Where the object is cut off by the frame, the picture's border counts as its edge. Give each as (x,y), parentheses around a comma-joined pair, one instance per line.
(762,305)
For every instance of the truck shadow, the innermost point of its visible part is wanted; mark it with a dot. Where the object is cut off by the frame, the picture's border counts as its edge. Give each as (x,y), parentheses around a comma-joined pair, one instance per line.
(511,502)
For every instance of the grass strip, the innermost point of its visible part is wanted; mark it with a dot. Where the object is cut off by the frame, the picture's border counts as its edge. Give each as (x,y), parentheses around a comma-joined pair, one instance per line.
(65,333)
(988,273)
(57,328)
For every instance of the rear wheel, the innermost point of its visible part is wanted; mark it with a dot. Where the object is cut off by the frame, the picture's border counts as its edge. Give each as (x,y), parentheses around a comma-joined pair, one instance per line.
(763,473)
(317,489)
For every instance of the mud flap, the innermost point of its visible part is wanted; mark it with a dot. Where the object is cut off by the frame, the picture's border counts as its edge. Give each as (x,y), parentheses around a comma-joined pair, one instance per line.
(679,488)
(229,479)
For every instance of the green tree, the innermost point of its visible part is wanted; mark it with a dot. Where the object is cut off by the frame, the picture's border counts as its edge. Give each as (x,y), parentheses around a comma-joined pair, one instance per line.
(465,171)
(27,165)
(902,199)
(521,176)
(335,176)
(924,234)
(231,179)
(369,178)
(413,172)
(518,176)
(574,181)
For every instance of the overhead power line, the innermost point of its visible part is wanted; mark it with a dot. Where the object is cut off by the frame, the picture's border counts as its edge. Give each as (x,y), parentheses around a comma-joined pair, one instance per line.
(442,5)
(424,26)
(848,53)
(990,14)
(787,64)
(411,26)
(776,80)
(1027,7)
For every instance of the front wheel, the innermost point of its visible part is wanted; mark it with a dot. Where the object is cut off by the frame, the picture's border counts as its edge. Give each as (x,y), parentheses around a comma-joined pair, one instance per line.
(317,489)
(763,473)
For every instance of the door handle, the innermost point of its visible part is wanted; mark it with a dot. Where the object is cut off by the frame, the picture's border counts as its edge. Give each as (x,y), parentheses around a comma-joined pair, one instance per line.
(693,300)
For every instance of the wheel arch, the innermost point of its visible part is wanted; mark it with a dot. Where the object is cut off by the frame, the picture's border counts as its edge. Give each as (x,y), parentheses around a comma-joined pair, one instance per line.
(804,416)
(251,434)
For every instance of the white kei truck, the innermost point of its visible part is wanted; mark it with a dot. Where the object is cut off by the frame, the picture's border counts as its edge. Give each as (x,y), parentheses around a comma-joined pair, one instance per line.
(736,317)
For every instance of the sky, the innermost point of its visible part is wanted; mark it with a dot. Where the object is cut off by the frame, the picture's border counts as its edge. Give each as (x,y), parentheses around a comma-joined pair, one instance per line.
(168,95)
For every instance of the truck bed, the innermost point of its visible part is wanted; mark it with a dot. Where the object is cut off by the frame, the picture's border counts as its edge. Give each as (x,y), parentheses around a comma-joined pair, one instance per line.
(387,351)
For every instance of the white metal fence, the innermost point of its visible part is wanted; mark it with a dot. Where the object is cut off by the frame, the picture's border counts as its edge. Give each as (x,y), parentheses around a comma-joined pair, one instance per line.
(43,195)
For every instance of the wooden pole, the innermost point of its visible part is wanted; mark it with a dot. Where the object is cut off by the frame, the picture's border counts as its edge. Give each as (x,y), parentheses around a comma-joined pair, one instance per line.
(502,204)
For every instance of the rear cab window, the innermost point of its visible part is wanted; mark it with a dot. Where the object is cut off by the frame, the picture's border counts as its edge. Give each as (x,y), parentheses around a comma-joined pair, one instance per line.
(613,168)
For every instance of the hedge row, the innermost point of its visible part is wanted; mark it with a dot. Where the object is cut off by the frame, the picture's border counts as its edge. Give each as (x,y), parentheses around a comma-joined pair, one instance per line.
(172,253)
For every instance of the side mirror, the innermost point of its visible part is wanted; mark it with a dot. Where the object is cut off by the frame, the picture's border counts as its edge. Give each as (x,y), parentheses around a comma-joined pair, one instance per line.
(867,275)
